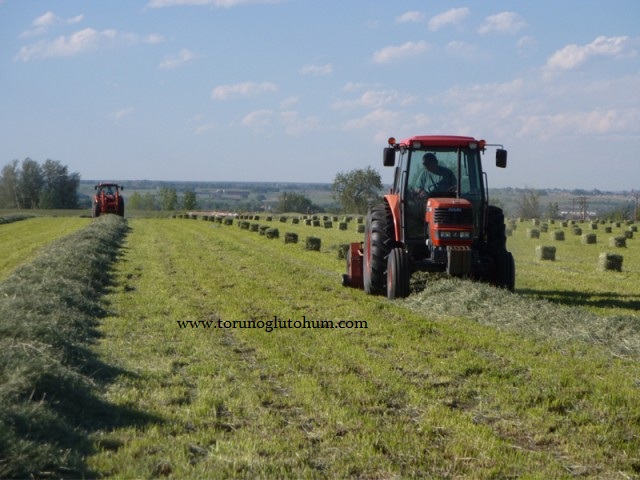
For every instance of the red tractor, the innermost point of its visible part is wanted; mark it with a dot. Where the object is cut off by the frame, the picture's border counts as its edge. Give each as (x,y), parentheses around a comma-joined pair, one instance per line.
(436,218)
(107,200)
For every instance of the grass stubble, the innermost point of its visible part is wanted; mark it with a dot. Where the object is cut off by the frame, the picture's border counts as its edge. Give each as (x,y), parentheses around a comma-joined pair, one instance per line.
(458,380)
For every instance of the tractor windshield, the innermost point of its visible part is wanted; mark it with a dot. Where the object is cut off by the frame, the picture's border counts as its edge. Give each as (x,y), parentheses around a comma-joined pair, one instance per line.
(441,172)
(445,172)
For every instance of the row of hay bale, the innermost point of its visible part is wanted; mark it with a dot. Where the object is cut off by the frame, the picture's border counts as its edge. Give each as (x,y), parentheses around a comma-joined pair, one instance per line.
(320,221)
(606,261)
(586,238)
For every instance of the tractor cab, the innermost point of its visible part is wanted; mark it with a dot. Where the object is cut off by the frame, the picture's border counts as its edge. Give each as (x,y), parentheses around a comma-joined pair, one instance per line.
(442,191)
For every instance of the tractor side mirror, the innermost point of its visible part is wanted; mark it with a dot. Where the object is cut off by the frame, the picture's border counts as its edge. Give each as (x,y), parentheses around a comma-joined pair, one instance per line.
(389,157)
(501,158)
(121,188)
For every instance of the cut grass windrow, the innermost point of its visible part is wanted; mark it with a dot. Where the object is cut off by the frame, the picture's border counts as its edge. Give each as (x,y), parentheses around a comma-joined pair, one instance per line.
(48,316)
(418,393)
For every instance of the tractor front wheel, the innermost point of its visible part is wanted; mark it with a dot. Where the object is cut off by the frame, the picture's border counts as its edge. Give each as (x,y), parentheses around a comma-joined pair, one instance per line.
(397,274)
(378,239)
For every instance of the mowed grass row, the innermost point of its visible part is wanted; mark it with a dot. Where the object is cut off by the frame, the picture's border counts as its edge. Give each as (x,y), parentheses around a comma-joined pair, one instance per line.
(49,309)
(22,241)
(413,394)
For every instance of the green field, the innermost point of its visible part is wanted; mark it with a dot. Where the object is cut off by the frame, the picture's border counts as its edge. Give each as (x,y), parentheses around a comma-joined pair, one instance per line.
(21,241)
(458,380)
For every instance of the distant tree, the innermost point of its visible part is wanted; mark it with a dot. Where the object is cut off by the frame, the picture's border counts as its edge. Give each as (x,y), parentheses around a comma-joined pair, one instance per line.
(168,199)
(60,189)
(357,189)
(31,185)
(294,202)
(529,203)
(147,202)
(9,197)
(134,201)
(189,201)
(30,182)
(553,211)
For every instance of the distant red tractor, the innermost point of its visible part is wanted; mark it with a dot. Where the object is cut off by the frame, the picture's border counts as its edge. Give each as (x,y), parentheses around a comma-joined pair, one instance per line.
(436,218)
(107,200)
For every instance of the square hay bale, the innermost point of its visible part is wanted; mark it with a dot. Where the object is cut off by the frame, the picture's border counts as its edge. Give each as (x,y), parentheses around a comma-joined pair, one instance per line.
(272,233)
(313,243)
(546,252)
(290,237)
(228,220)
(535,222)
(544,228)
(283,219)
(618,242)
(360,228)
(262,229)
(343,250)
(533,233)
(308,221)
(594,226)
(295,220)
(607,230)
(577,231)
(633,228)
(254,227)
(589,238)
(558,235)
(342,225)
(628,233)
(328,224)
(611,261)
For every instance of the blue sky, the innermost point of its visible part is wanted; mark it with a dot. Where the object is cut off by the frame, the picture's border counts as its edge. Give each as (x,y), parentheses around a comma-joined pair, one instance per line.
(299,90)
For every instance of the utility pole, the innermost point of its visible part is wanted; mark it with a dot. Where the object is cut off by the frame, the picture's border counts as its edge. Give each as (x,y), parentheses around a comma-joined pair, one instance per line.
(582,202)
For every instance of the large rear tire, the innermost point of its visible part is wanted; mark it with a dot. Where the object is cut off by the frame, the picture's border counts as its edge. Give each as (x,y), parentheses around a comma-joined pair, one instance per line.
(503,271)
(95,210)
(397,274)
(121,207)
(378,239)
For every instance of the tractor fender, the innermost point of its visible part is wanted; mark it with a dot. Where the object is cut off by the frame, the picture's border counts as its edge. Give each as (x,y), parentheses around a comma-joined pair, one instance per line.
(394,203)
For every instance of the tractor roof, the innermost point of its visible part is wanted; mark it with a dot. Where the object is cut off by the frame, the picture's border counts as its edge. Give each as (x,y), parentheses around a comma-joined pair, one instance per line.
(422,141)
(107,184)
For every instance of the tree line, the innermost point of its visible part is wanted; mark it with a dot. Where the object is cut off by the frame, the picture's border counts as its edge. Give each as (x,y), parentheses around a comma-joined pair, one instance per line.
(30,185)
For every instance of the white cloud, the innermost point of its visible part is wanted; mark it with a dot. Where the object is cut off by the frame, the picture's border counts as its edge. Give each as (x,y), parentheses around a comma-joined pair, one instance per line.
(505,22)
(295,125)
(412,17)
(199,3)
(257,118)
(246,89)
(317,69)
(374,99)
(374,119)
(42,23)
(392,53)
(289,102)
(572,56)
(464,50)
(175,61)
(207,127)
(124,112)
(454,17)
(82,41)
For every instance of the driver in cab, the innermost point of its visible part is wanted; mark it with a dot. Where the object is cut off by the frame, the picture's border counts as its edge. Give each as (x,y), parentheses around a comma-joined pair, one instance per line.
(434,178)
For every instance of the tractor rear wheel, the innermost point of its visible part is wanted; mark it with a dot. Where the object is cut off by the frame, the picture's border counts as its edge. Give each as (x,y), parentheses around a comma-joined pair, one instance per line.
(121,207)
(503,269)
(378,238)
(398,274)
(95,210)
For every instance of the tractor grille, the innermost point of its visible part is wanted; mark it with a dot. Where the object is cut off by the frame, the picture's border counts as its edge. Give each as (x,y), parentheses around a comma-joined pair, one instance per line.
(453,216)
